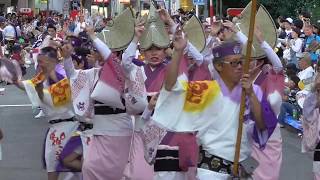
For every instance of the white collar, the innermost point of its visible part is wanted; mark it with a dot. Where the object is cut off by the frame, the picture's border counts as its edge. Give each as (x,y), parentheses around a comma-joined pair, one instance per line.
(305,70)
(308,69)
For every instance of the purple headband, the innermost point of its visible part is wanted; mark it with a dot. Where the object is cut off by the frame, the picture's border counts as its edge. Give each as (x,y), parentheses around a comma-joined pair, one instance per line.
(76,57)
(226,49)
(79,59)
(49,20)
(76,42)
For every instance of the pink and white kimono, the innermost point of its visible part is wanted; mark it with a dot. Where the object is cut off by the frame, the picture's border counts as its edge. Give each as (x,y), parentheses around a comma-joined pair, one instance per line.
(270,157)
(271,80)
(60,117)
(215,105)
(58,133)
(181,162)
(311,129)
(110,151)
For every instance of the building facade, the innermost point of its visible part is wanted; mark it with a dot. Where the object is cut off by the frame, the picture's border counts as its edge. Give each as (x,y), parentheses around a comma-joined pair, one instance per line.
(108,8)
(4,4)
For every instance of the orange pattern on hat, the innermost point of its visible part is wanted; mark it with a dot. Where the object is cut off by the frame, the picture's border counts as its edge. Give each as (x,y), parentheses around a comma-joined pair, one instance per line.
(200,94)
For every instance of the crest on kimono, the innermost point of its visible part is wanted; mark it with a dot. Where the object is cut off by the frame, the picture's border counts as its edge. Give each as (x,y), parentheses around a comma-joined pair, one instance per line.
(60,93)
(40,77)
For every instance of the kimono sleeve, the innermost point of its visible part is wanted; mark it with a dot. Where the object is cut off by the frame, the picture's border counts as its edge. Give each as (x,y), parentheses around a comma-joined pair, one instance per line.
(135,92)
(272,56)
(270,119)
(32,93)
(310,123)
(309,107)
(194,53)
(128,56)
(170,104)
(69,68)
(102,48)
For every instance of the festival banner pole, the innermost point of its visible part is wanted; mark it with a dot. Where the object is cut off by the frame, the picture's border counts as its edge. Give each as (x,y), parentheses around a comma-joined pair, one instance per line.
(211,10)
(243,95)
(81,8)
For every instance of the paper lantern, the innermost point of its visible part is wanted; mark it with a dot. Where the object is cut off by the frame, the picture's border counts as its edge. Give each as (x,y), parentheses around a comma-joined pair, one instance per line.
(124,1)
(186,5)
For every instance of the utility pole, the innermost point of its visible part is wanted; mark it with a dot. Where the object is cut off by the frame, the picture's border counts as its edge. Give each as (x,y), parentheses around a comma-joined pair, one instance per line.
(217,8)
(169,7)
(103,5)
(220,4)
(197,10)
(48,8)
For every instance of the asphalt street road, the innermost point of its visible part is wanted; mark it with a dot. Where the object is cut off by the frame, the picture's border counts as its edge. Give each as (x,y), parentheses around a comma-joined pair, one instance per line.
(24,136)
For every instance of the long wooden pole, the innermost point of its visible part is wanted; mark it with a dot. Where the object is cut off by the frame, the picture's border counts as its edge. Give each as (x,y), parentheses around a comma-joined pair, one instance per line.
(81,8)
(243,95)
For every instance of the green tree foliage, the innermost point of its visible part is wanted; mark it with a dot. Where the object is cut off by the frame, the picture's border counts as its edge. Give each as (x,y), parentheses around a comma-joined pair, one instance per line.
(288,8)
(316,14)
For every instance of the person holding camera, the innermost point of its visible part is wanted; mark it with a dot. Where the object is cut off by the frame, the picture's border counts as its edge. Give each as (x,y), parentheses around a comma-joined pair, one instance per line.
(295,46)
(316,29)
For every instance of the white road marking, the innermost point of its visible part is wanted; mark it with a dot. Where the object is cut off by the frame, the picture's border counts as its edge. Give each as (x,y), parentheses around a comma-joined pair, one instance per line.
(15,105)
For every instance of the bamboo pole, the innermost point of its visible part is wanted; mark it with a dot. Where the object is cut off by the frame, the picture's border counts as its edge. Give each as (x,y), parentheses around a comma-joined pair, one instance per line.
(81,8)
(243,95)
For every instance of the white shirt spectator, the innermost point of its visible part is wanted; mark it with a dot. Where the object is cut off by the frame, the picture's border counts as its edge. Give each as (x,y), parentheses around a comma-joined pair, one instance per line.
(306,73)
(18,31)
(288,32)
(9,32)
(296,46)
(35,23)
(79,27)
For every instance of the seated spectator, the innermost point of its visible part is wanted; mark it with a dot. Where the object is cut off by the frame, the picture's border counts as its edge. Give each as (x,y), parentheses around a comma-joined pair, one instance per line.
(299,24)
(291,72)
(311,38)
(304,16)
(316,29)
(288,26)
(295,46)
(281,30)
(305,65)
(289,103)
(318,67)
